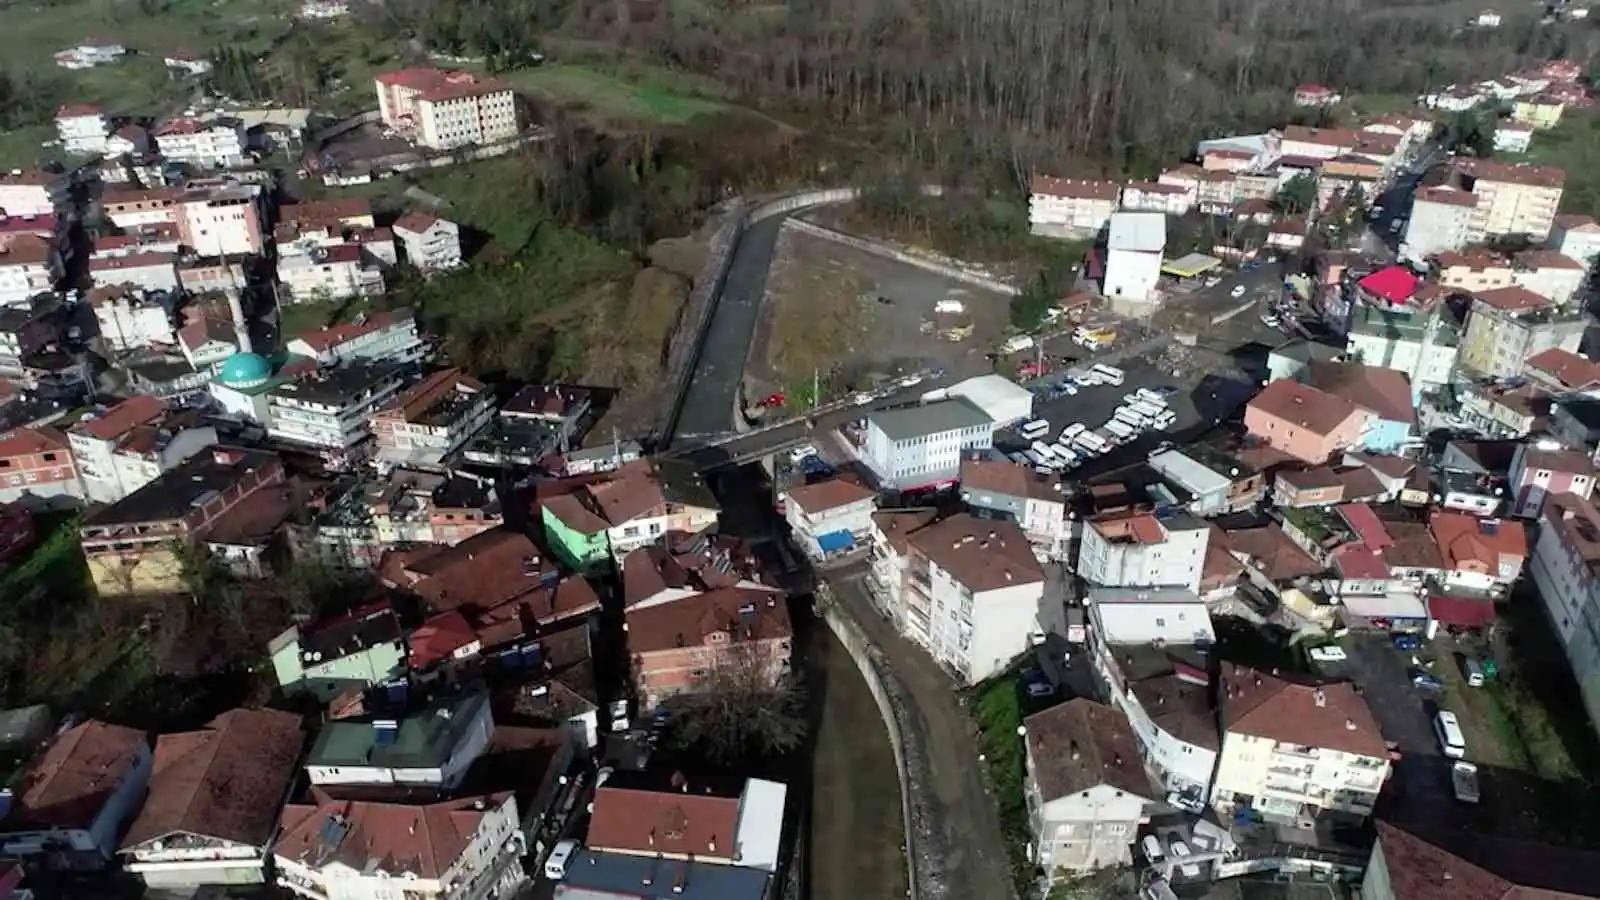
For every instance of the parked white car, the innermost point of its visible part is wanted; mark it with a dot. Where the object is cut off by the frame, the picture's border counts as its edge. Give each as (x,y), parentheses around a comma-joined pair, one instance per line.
(802,452)
(1180,851)
(1329,653)
(1237,292)
(555,865)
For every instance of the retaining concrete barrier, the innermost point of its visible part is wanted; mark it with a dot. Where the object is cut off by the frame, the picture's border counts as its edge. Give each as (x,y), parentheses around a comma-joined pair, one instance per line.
(878,248)
(924,856)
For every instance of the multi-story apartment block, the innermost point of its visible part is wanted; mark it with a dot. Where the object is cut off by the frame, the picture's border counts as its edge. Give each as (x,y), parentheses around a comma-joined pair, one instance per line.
(328,273)
(1171,714)
(1304,422)
(133,208)
(1576,237)
(830,517)
(923,445)
(1443,218)
(1566,569)
(358,649)
(1549,274)
(1507,326)
(76,795)
(1086,788)
(222,221)
(441,110)
(36,468)
(1218,481)
(387,335)
(1515,199)
(462,848)
(146,271)
(331,409)
(996,489)
(433,746)
(431,243)
(131,545)
(31,192)
(730,635)
(1541,471)
(1471,271)
(213,801)
(1292,750)
(1417,337)
(82,129)
(129,321)
(709,823)
(968,590)
(1319,143)
(123,448)
(1071,207)
(431,419)
(1152,196)
(218,144)
(29,266)
(1133,548)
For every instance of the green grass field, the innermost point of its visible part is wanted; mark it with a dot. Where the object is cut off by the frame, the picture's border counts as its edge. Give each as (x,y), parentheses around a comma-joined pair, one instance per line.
(630,94)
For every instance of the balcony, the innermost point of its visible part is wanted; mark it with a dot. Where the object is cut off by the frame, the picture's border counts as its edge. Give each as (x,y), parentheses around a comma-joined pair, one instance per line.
(1294,751)
(1293,787)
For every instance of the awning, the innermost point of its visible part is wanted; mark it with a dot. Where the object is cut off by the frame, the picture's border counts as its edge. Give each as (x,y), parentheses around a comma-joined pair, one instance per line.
(1190,265)
(834,541)
(1461,612)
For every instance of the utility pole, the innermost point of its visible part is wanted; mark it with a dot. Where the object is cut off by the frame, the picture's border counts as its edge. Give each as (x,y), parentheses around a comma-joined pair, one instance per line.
(816,389)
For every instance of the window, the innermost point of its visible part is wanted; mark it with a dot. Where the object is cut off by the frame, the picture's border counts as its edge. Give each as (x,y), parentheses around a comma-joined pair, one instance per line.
(49,457)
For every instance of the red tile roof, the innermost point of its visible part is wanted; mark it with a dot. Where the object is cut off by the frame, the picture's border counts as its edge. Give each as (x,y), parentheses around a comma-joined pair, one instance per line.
(830,494)
(686,823)
(1566,367)
(441,84)
(68,785)
(980,554)
(1330,716)
(417,221)
(1381,391)
(1511,173)
(1547,259)
(1326,137)
(1080,745)
(1513,299)
(1075,188)
(224,781)
(327,338)
(740,613)
(1357,560)
(423,839)
(1305,406)
(1474,544)
(30,441)
(1447,195)
(122,418)
(438,638)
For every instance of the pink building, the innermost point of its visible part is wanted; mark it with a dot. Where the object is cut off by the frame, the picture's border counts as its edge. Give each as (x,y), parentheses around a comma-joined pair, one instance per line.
(1537,474)
(1306,423)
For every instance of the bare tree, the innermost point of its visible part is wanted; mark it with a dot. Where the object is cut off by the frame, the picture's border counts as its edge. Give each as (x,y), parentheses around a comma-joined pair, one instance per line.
(740,708)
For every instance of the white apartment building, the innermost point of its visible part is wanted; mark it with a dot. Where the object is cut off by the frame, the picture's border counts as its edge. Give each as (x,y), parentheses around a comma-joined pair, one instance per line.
(215,144)
(1133,255)
(330,410)
(1442,219)
(387,335)
(133,208)
(442,110)
(82,129)
(1416,339)
(830,517)
(1513,199)
(923,445)
(242,763)
(970,591)
(431,419)
(1153,196)
(1086,789)
(1318,143)
(98,434)
(28,193)
(434,746)
(28,266)
(1176,728)
(998,489)
(114,465)
(1142,549)
(1071,207)
(1549,273)
(328,273)
(207,342)
(430,243)
(1566,568)
(128,322)
(465,848)
(1576,237)
(1149,615)
(1512,137)
(149,271)
(1291,750)
(222,222)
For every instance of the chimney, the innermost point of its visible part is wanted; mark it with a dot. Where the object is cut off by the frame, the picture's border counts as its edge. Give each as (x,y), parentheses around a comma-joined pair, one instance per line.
(1073,749)
(224,456)
(1349,724)
(1319,698)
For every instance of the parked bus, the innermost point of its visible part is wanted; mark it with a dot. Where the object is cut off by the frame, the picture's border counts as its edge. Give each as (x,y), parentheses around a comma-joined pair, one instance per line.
(1017,458)
(1065,453)
(1134,419)
(1150,396)
(1034,458)
(1044,450)
(1072,431)
(1109,374)
(1148,410)
(1090,442)
(1164,421)
(1121,429)
(1034,430)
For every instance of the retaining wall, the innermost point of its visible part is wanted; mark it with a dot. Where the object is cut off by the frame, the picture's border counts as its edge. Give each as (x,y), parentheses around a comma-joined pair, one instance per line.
(925,853)
(878,248)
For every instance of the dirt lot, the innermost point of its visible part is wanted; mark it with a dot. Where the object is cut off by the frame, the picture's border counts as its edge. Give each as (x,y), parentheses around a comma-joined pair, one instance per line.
(852,316)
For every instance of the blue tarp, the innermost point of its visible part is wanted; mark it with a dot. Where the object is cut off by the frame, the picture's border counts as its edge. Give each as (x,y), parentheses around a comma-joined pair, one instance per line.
(834,541)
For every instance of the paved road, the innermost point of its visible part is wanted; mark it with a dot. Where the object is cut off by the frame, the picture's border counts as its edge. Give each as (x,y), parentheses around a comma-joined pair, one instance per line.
(955,796)
(708,405)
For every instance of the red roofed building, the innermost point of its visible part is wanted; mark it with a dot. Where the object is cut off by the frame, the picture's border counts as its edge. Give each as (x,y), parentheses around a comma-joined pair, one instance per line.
(73,799)
(830,517)
(1544,469)
(442,109)
(125,447)
(37,469)
(1508,326)
(1562,370)
(386,335)
(1480,554)
(1393,285)
(734,635)
(1071,207)
(1316,95)
(1304,422)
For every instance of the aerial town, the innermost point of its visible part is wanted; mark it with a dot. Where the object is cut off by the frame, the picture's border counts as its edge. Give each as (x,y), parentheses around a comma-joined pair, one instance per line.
(360,541)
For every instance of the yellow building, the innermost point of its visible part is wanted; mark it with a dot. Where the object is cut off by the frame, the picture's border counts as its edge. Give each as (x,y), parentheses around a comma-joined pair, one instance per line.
(1543,113)
(1512,199)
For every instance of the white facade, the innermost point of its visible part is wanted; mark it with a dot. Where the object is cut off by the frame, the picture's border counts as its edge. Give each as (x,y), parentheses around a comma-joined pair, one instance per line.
(1171,200)
(1089,830)
(431,244)
(1578,239)
(21,280)
(207,145)
(820,518)
(1297,776)
(94,836)
(1565,565)
(82,130)
(1143,551)
(111,471)
(382,336)
(924,444)
(1437,225)
(320,420)
(328,275)
(1183,766)
(1066,207)
(489,863)
(24,194)
(1512,138)
(1426,358)
(183,862)
(150,271)
(444,110)
(1560,281)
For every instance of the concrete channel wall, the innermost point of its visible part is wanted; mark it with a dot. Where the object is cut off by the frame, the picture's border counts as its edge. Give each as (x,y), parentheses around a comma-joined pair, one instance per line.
(924,840)
(878,248)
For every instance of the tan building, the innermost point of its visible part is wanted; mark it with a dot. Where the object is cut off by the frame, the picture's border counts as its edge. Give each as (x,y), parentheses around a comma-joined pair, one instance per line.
(442,109)
(1513,199)
(1071,207)
(739,634)
(1474,270)
(1304,422)
(1508,325)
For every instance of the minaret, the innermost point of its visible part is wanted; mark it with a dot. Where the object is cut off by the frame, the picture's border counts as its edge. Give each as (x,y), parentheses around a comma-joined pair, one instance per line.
(241,326)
